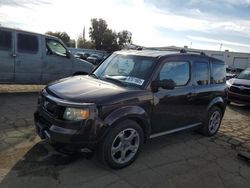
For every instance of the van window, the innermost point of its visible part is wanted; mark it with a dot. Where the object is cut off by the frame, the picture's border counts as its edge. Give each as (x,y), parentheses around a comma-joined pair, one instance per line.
(27,43)
(5,40)
(218,73)
(55,47)
(179,72)
(201,73)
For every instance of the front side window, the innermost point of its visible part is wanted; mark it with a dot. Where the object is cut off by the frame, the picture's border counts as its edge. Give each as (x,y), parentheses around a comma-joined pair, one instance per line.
(55,47)
(179,72)
(27,43)
(218,73)
(127,70)
(201,73)
(5,40)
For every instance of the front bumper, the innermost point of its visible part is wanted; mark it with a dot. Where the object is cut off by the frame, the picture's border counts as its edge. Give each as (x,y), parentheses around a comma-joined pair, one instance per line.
(79,134)
(238,98)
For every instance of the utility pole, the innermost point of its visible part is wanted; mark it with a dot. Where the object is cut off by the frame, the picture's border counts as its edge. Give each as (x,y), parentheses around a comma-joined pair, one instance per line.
(221,46)
(83,34)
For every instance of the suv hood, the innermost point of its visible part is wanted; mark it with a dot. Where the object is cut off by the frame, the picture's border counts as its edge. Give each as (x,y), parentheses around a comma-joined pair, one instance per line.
(242,82)
(85,89)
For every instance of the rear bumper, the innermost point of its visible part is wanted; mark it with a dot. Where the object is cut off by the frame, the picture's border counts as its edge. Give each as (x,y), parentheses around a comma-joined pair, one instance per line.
(238,98)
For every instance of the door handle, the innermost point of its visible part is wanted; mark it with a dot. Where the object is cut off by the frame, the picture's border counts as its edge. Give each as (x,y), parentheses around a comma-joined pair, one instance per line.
(13,55)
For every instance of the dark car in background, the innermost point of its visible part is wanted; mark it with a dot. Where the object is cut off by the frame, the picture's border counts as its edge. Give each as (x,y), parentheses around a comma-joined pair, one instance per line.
(131,97)
(239,88)
(95,59)
(82,55)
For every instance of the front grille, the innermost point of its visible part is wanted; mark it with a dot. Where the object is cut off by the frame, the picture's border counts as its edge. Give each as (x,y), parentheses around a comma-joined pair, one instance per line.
(240,90)
(241,85)
(52,108)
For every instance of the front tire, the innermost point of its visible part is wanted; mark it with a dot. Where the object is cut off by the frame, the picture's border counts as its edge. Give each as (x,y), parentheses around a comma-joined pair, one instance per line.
(122,145)
(213,121)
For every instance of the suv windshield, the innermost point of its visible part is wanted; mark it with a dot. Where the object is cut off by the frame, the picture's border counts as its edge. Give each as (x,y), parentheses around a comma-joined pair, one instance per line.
(126,70)
(245,75)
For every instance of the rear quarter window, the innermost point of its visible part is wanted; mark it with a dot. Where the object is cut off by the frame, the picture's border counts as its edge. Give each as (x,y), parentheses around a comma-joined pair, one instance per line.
(218,73)
(201,73)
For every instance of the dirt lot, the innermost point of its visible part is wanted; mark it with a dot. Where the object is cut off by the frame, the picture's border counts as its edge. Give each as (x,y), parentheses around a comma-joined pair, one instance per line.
(181,160)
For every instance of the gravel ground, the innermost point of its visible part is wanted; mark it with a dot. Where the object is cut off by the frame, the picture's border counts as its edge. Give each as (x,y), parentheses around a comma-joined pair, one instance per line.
(5,88)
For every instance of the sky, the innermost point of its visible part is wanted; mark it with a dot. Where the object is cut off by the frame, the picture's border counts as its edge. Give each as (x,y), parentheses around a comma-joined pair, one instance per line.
(207,24)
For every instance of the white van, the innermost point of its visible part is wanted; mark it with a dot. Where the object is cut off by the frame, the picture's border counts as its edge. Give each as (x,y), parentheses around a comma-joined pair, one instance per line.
(32,58)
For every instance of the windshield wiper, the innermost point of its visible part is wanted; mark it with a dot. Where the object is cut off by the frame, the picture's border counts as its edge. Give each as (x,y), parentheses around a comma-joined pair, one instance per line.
(114,80)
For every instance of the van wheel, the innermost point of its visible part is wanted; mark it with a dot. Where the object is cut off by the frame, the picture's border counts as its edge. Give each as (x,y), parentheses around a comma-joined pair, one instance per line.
(122,144)
(213,121)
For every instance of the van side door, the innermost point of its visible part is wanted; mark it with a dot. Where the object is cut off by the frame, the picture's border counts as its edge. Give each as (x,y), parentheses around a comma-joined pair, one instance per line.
(28,62)
(57,63)
(7,56)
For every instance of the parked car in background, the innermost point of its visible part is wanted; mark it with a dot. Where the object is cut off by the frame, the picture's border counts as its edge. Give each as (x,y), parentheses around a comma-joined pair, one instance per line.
(239,88)
(230,72)
(82,55)
(131,97)
(32,58)
(95,59)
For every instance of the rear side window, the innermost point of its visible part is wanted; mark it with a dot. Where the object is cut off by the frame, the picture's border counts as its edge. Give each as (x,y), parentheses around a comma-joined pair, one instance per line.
(201,72)
(218,73)
(179,72)
(5,40)
(27,43)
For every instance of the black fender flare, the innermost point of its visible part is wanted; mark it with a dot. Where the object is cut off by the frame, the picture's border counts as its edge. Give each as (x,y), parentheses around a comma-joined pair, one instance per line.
(218,101)
(135,113)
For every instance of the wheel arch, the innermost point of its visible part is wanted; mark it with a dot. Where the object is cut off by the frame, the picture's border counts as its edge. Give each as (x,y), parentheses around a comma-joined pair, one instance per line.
(135,113)
(219,102)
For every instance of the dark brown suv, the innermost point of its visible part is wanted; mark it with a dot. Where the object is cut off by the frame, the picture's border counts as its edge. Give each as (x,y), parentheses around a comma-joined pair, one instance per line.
(131,97)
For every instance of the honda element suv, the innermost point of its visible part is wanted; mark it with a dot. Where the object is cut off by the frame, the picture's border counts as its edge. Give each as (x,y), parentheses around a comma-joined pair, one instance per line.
(131,97)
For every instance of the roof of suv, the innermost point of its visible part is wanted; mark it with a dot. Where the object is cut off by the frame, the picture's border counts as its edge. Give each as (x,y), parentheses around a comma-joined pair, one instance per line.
(159,53)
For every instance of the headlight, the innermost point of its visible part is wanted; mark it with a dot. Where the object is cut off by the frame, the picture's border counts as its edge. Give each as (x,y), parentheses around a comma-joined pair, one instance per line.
(229,82)
(76,113)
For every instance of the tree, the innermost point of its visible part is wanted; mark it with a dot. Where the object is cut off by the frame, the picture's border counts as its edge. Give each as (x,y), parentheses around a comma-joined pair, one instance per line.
(72,43)
(106,39)
(97,31)
(110,41)
(83,43)
(124,37)
(63,36)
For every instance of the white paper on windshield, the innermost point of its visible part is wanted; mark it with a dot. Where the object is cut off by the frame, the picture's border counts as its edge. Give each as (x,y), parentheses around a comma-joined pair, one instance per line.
(134,80)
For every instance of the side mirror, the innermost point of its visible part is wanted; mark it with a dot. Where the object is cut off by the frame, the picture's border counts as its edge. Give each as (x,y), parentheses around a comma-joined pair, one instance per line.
(165,84)
(68,54)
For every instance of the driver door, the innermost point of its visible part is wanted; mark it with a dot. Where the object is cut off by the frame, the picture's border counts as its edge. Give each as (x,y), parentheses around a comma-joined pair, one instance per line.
(173,108)
(56,63)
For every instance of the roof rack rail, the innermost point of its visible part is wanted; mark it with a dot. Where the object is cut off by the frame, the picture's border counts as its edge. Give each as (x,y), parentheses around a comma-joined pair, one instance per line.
(181,50)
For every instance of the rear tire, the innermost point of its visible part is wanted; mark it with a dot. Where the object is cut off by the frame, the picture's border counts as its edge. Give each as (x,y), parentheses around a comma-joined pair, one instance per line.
(122,145)
(213,121)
